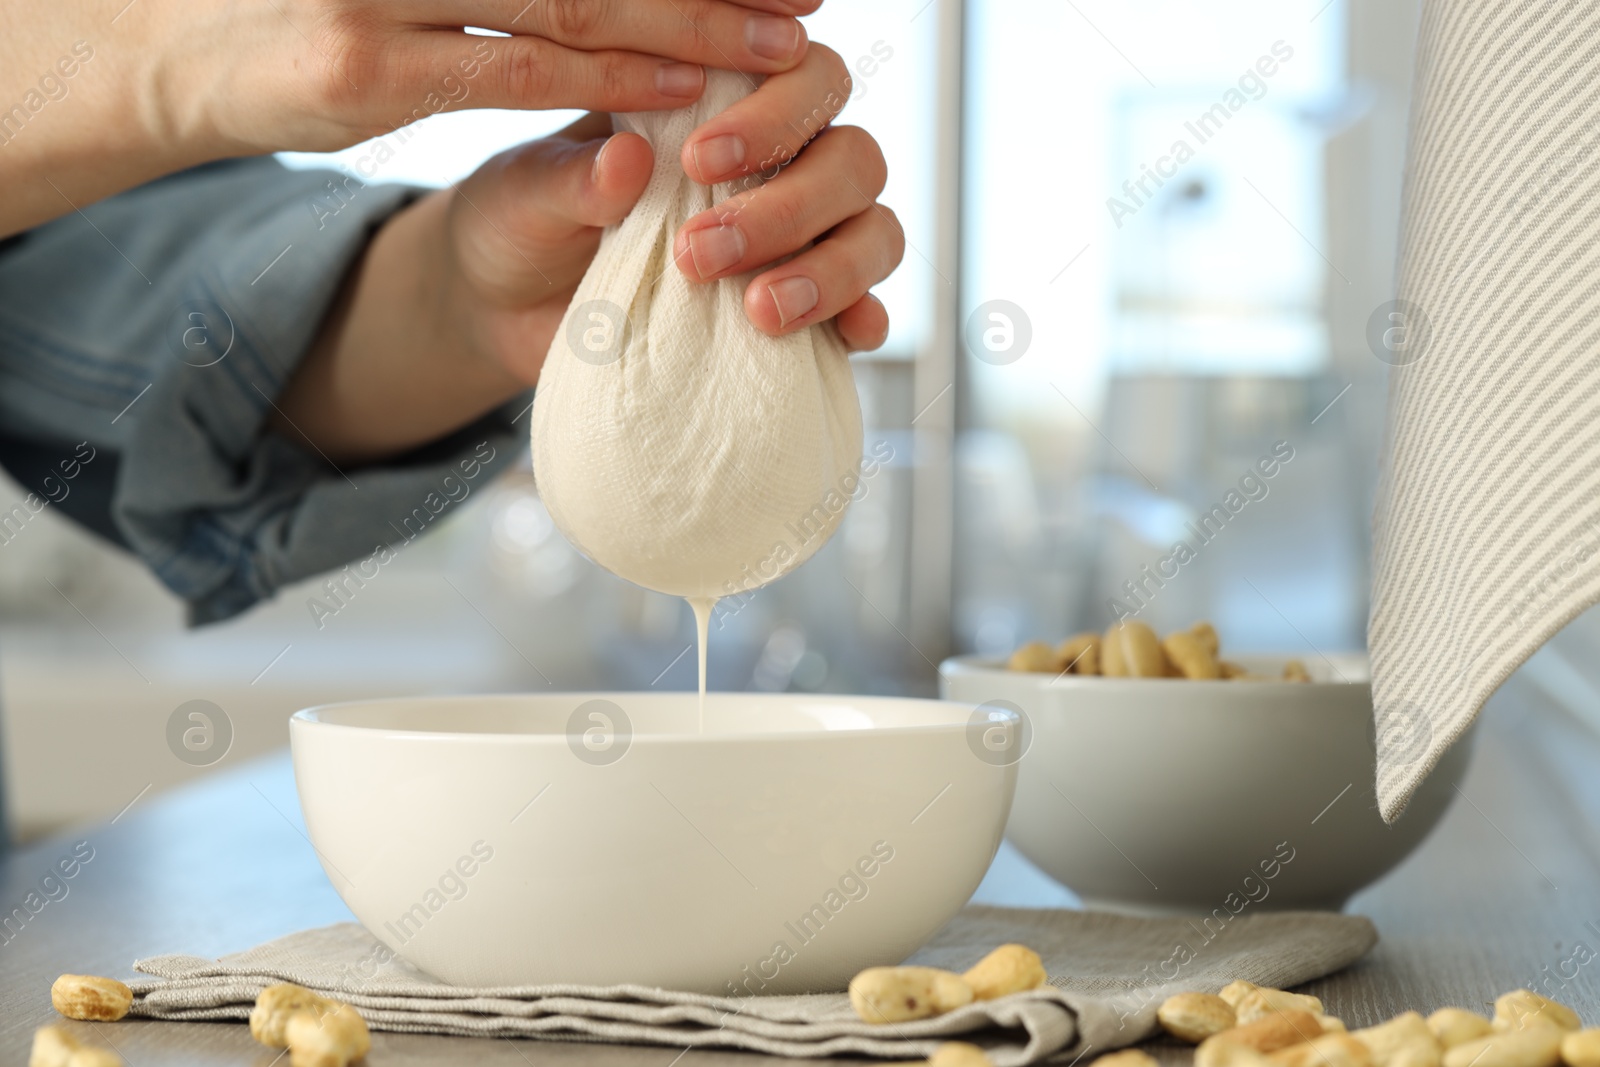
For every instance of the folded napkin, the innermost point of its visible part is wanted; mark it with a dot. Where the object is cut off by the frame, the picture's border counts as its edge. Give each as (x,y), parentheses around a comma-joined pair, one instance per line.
(1109,973)
(1486,534)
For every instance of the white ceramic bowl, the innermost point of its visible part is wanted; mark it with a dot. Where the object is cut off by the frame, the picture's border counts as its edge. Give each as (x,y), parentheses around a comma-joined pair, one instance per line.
(1176,796)
(599,838)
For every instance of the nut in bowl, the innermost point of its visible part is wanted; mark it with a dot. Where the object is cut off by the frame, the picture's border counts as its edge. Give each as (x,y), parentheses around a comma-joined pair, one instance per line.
(1246,789)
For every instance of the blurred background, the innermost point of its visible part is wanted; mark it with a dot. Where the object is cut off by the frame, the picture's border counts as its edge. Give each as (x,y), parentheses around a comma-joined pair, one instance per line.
(1144,241)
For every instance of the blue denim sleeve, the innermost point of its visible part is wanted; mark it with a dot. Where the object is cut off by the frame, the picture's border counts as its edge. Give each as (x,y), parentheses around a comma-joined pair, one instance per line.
(159,326)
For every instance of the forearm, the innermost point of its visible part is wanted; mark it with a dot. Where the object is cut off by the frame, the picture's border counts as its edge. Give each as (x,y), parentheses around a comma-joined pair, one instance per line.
(161,85)
(401,360)
(171,369)
(78,116)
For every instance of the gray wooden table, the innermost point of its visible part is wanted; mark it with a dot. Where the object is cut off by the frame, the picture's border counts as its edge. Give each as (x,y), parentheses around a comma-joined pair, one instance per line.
(1497,898)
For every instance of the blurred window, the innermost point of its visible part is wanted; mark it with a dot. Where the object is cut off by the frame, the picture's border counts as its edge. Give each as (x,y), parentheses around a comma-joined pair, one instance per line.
(1173,200)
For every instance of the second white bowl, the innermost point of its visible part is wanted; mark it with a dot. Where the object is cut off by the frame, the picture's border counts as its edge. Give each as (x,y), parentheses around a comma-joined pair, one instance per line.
(1163,795)
(600,838)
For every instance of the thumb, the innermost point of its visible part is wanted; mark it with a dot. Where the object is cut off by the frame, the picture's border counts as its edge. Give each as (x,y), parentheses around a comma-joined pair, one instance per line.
(528,221)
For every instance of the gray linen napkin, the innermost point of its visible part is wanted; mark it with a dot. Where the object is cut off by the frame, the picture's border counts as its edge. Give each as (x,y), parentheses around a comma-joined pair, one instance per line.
(1486,529)
(1109,973)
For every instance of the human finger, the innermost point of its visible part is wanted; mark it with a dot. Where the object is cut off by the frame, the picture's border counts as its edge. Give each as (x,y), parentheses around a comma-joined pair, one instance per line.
(828,278)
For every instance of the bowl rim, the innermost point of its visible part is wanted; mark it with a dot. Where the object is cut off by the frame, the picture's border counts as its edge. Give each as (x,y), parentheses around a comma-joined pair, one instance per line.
(310,718)
(973,664)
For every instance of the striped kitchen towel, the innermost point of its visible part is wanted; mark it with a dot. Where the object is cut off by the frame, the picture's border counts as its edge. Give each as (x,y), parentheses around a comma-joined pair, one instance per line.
(1486,534)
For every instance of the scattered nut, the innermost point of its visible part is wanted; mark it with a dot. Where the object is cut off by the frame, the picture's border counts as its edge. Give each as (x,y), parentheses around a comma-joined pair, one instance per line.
(900,994)
(1235,990)
(1187,651)
(94,1057)
(52,1047)
(1295,671)
(1522,1008)
(1404,1041)
(1276,1028)
(1134,650)
(1271,1032)
(1452,1026)
(1259,1001)
(275,1005)
(1207,635)
(1193,1017)
(1213,1053)
(1535,1046)
(958,1054)
(334,1037)
(1581,1048)
(1035,656)
(1008,969)
(1128,1057)
(1080,653)
(317,1031)
(1327,1050)
(84,996)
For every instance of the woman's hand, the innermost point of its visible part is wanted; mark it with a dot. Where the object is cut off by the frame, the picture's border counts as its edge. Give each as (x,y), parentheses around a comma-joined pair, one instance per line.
(325,74)
(526,224)
(168,85)
(457,300)
(827,194)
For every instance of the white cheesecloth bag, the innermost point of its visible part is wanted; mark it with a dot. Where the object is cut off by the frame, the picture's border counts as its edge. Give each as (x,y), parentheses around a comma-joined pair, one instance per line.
(674,443)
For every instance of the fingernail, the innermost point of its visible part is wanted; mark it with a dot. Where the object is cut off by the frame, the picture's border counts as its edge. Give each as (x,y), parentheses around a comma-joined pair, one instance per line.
(794,298)
(715,249)
(772,36)
(594,170)
(719,157)
(679,79)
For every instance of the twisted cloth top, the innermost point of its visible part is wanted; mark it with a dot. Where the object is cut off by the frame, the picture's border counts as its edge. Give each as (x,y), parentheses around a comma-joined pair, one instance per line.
(1486,530)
